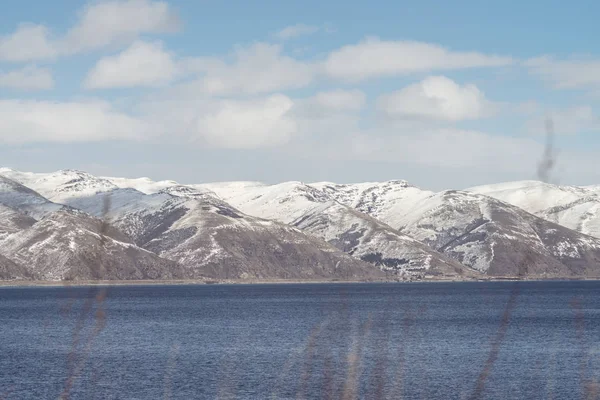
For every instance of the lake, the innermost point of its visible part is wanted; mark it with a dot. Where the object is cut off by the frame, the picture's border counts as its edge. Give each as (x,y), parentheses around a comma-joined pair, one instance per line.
(472,340)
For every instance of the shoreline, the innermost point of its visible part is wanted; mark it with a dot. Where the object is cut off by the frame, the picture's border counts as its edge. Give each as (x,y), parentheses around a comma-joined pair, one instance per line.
(199,282)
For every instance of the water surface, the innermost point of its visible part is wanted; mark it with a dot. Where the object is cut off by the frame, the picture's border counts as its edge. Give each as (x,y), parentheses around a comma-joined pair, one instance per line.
(412,341)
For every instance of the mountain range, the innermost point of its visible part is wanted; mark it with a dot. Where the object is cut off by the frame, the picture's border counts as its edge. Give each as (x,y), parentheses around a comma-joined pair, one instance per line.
(73,226)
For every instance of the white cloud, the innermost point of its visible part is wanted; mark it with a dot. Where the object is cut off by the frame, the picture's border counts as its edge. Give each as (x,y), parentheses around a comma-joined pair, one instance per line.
(263,121)
(567,74)
(248,124)
(142,64)
(117,21)
(28,42)
(44,121)
(525,108)
(27,78)
(100,24)
(295,31)
(437,98)
(569,121)
(259,68)
(340,100)
(344,137)
(451,148)
(329,105)
(375,58)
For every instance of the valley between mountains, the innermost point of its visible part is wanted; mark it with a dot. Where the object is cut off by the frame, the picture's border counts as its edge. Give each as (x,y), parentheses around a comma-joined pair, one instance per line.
(73,226)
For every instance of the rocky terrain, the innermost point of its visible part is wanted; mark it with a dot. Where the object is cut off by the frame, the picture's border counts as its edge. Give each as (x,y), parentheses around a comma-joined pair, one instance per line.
(499,239)
(212,238)
(358,234)
(179,232)
(27,201)
(481,232)
(71,225)
(12,221)
(577,208)
(9,270)
(71,245)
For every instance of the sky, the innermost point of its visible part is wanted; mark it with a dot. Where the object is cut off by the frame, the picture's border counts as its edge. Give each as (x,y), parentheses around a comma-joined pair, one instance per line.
(442,94)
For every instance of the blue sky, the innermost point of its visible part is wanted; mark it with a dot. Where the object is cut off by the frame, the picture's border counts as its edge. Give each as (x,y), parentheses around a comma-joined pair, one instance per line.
(443,94)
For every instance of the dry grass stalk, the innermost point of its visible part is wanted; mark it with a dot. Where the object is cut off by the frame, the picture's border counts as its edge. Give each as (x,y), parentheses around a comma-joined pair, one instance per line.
(76,359)
(407,324)
(6,394)
(496,343)
(226,389)
(328,388)
(590,385)
(168,376)
(354,362)
(308,361)
(381,362)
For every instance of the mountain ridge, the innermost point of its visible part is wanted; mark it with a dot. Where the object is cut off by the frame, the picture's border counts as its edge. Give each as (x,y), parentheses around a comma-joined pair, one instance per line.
(253,230)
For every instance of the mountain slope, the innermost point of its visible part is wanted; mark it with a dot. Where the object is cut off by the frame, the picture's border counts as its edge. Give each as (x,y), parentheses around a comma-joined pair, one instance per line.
(315,212)
(574,207)
(17,196)
(12,221)
(9,270)
(500,239)
(386,201)
(298,231)
(144,185)
(481,232)
(71,245)
(61,185)
(211,238)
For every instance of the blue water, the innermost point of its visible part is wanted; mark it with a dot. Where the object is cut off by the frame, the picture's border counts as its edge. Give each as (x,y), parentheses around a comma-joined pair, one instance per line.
(310,341)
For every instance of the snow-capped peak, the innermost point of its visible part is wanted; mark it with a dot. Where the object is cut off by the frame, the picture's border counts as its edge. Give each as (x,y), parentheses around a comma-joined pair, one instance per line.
(575,207)
(63,184)
(144,185)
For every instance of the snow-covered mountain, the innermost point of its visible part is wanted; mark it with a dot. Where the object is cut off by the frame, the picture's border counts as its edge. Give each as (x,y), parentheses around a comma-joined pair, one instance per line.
(19,197)
(386,201)
(60,185)
(12,221)
(296,230)
(49,241)
(574,207)
(500,239)
(144,185)
(483,233)
(10,271)
(212,238)
(317,213)
(72,245)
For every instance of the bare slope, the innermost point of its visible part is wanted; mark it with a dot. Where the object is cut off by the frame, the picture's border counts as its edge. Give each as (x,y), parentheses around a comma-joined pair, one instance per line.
(211,238)
(317,213)
(71,245)
(574,207)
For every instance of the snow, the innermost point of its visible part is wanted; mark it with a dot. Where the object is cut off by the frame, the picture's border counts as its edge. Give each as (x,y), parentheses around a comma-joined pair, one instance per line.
(144,185)
(391,218)
(229,189)
(283,202)
(319,213)
(566,249)
(19,197)
(61,185)
(533,196)
(575,207)
(192,207)
(388,201)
